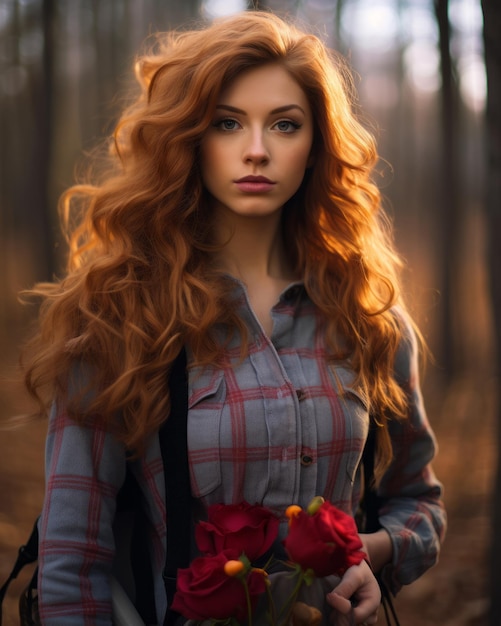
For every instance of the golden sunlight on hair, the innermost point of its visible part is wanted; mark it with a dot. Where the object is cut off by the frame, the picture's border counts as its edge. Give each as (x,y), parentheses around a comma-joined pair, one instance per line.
(145,223)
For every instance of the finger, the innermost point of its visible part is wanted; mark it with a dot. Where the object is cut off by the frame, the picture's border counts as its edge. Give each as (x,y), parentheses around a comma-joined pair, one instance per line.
(348,586)
(366,611)
(359,614)
(339,602)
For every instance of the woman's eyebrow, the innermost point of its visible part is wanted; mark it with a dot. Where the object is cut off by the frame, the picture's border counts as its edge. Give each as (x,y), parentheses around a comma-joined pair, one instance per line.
(282,109)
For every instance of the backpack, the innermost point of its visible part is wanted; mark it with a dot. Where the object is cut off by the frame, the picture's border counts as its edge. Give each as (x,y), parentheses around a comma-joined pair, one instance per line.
(132,576)
(173,444)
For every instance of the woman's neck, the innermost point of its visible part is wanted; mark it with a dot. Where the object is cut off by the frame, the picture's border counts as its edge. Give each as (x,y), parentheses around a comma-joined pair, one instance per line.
(254,250)
(255,253)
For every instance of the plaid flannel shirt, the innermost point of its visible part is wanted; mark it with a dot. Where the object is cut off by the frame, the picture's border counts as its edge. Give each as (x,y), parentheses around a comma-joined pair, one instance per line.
(278,427)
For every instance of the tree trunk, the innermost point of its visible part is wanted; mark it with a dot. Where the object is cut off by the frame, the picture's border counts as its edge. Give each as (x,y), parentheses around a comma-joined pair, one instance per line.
(450,213)
(35,198)
(492,42)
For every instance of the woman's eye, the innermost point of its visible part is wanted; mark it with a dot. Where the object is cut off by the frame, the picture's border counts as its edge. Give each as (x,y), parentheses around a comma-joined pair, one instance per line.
(286,126)
(227,124)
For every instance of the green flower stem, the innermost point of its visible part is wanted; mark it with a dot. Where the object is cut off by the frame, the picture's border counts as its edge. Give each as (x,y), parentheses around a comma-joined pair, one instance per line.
(289,604)
(249,605)
(271,605)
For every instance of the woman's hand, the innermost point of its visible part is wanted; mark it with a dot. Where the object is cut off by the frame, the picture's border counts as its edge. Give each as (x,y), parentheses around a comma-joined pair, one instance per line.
(359,585)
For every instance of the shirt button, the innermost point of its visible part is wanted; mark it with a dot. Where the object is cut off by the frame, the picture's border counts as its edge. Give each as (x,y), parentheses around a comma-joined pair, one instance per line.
(301,395)
(306,460)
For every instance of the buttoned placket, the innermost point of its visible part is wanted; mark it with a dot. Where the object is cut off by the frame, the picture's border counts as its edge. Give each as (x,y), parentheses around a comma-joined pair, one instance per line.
(290,470)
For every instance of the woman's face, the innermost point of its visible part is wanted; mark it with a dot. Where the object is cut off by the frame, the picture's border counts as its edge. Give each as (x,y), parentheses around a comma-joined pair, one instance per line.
(255,153)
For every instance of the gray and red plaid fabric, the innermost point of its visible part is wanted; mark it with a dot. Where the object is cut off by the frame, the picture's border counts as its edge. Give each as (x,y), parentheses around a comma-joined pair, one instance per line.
(278,427)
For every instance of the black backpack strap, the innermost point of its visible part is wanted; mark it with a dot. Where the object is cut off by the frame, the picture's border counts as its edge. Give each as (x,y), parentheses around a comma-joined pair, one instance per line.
(132,567)
(370,500)
(178,500)
(370,505)
(27,554)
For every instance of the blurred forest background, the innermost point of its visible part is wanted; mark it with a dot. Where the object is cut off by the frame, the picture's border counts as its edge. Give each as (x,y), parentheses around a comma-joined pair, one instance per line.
(421,74)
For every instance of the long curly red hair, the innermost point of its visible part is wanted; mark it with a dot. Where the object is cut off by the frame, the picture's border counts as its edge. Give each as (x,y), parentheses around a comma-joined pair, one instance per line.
(139,283)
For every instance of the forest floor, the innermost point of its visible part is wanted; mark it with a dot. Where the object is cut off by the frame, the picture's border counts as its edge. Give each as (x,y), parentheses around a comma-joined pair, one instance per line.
(454,593)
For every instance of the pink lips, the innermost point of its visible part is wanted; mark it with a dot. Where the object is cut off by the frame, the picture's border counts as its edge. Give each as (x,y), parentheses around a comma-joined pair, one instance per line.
(254,184)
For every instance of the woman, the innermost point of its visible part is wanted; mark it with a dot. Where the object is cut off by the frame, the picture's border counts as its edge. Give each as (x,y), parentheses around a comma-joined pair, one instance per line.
(237,219)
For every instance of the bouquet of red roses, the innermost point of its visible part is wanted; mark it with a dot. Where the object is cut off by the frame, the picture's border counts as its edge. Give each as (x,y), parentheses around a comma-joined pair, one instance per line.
(229,582)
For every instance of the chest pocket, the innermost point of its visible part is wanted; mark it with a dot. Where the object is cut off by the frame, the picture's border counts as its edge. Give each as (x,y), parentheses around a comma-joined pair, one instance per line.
(206,397)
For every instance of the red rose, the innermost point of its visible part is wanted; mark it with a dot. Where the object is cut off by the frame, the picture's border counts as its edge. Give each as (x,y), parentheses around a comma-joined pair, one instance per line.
(327,541)
(240,527)
(205,591)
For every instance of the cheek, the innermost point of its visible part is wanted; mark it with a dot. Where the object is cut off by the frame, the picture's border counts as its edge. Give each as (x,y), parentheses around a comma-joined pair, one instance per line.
(300,153)
(210,170)
(213,157)
(207,159)
(300,159)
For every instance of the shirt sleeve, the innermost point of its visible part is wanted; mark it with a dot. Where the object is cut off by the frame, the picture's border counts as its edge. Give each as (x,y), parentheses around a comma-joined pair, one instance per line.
(412,511)
(85,467)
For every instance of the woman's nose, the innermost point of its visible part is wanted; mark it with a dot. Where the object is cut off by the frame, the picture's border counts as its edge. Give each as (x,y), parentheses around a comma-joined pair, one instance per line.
(256,150)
